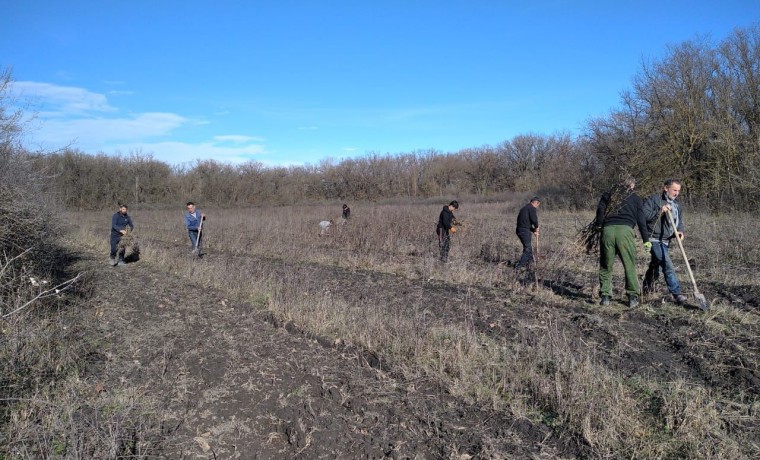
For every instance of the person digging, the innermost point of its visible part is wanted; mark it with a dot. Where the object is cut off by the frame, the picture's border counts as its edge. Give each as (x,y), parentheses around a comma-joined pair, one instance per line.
(656,208)
(194,223)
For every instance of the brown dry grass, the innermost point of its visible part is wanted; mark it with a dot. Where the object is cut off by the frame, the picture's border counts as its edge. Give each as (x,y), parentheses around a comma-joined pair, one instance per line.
(540,372)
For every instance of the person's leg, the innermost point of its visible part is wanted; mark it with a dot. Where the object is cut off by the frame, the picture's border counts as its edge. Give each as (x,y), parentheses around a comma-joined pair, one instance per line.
(627,249)
(445,244)
(193,238)
(527,254)
(114,245)
(114,248)
(606,261)
(670,272)
(653,270)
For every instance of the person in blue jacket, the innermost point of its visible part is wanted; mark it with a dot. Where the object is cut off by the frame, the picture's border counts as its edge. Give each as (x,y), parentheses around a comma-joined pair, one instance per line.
(119,224)
(194,223)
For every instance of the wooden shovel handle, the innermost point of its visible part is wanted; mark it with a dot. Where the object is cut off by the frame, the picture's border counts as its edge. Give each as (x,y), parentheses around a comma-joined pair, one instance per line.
(683,252)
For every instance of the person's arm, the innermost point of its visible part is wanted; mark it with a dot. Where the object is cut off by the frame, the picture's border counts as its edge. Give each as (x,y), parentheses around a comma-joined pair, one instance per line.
(115,223)
(601,208)
(533,219)
(651,208)
(641,219)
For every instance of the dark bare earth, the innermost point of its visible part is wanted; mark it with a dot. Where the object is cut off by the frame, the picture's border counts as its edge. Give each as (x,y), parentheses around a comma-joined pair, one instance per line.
(232,383)
(229,381)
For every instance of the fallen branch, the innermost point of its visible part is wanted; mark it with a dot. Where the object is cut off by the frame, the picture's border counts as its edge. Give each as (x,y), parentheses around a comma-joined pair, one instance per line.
(47,293)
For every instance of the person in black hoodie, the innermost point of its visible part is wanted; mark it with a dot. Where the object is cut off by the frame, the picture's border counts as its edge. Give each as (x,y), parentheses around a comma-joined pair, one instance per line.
(527,226)
(446,222)
(618,215)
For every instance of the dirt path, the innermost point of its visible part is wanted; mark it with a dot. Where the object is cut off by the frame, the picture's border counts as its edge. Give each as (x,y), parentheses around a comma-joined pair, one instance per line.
(226,383)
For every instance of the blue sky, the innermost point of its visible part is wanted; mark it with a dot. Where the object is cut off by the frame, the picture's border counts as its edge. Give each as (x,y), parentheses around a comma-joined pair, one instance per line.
(291,82)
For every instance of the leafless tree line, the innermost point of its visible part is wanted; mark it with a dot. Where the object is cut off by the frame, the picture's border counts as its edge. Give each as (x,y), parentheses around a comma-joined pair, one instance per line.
(693,114)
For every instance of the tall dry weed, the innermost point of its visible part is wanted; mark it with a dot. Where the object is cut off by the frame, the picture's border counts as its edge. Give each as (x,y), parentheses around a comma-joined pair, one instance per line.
(541,373)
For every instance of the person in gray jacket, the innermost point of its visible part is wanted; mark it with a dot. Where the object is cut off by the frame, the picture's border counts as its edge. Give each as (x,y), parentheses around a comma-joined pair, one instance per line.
(661,233)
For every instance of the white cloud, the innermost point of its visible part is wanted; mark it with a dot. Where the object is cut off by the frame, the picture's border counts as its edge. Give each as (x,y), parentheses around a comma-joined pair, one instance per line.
(121,93)
(237,139)
(180,152)
(78,118)
(57,100)
(93,133)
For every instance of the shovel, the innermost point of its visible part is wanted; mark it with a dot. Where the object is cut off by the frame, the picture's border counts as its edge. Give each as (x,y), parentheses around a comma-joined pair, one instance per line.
(697,295)
(196,249)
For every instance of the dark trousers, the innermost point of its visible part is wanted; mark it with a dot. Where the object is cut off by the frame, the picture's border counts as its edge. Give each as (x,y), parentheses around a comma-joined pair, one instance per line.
(115,247)
(444,243)
(526,238)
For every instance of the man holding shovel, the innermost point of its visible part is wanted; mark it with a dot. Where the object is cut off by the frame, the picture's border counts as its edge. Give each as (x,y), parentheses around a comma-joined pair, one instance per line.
(194,222)
(656,209)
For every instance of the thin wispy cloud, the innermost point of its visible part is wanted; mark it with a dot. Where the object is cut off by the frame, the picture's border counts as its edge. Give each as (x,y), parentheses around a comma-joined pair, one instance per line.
(237,139)
(181,152)
(85,120)
(121,93)
(55,100)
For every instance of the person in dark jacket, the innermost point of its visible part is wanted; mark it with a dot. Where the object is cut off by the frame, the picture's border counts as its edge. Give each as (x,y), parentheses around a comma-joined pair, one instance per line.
(661,232)
(446,223)
(119,224)
(346,212)
(194,223)
(527,226)
(617,221)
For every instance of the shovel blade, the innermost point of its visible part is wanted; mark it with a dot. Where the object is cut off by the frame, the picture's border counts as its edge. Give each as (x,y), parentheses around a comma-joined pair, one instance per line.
(702,301)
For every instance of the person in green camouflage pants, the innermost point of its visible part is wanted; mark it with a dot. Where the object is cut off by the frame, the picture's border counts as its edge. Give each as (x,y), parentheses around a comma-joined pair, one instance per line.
(618,239)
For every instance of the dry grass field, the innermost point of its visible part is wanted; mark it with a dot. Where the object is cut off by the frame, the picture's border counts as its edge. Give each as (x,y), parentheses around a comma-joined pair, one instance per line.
(533,365)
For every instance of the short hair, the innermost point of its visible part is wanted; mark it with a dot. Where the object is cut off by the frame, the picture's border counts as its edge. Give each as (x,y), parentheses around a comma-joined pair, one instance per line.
(535,198)
(455,204)
(123,205)
(669,182)
(190,203)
